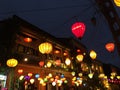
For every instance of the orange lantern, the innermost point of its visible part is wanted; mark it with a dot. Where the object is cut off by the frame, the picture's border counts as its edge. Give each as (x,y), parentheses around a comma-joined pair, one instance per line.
(30,74)
(27,39)
(41,63)
(93,54)
(45,48)
(78,50)
(79,57)
(78,29)
(58,62)
(110,47)
(20,71)
(57,52)
(117,2)
(12,62)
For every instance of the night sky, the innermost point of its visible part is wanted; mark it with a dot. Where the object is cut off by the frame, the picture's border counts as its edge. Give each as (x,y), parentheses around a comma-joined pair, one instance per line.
(57,16)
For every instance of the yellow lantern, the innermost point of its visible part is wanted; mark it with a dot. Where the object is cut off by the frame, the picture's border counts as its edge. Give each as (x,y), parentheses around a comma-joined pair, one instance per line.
(49,64)
(12,62)
(93,54)
(117,2)
(79,57)
(30,74)
(32,81)
(45,48)
(90,75)
(67,61)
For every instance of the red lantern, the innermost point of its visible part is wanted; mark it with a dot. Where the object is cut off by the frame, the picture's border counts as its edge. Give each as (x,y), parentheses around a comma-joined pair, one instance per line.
(110,47)
(78,29)
(41,63)
(27,39)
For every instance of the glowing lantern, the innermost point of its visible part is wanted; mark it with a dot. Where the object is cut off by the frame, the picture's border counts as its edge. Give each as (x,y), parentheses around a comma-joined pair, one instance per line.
(49,64)
(32,81)
(58,62)
(67,61)
(27,39)
(43,84)
(90,75)
(50,75)
(78,29)
(21,77)
(20,71)
(65,53)
(118,77)
(53,83)
(45,48)
(30,74)
(79,57)
(117,2)
(93,54)
(73,73)
(78,50)
(12,62)
(41,63)
(56,51)
(101,75)
(37,75)
(110,47)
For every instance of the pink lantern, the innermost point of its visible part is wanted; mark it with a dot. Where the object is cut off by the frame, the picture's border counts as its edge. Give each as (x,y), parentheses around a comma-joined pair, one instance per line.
(78,29)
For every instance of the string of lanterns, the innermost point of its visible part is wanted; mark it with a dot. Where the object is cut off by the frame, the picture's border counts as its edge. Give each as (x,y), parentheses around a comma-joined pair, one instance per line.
(78,29)
(57,79)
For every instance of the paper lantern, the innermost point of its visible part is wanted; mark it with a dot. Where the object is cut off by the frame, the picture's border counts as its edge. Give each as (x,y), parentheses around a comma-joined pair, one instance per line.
(49,64)
(37,75)
(20,71)
(79,57)
(56,51)
(78,29)
(90,75)
(117,2)
(27,39)
(45,48)
(93,54)
(12,62)
(30,74)
(58,62)
(67,61)
(32,81)
(110,47)
(41,63)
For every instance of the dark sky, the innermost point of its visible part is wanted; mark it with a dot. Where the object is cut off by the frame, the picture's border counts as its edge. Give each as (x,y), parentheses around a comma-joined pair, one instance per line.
(57,16)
